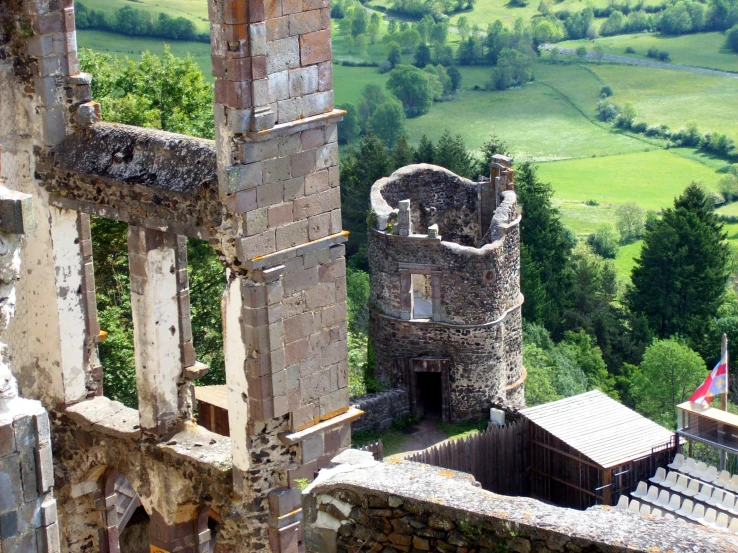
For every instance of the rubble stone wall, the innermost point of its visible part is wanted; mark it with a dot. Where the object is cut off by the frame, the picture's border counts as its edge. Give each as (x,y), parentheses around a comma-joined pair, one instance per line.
(475,329)
(380,410)
(363,505)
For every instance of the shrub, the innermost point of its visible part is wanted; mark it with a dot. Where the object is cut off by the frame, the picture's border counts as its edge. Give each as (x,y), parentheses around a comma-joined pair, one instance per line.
(592,202)
(653,131)
(605,241)
(664,56)
(607,110)
(731,42)
(606,91)
(385,67)
(653,53)
(639,127)
(630,50)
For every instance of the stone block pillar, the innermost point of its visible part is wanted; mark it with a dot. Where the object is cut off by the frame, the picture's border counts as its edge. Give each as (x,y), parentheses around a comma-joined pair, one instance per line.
(161,329)
(28,518)
(179,537)
(78,328)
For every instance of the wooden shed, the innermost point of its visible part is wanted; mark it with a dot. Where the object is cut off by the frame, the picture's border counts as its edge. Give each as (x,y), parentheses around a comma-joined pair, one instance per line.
(589,449)
(212,408)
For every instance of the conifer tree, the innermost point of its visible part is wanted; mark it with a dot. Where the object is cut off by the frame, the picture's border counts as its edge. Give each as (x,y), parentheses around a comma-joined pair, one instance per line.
(546,275)
(426,152)
(360,169)
(402,153)
(680,278)
(451,153)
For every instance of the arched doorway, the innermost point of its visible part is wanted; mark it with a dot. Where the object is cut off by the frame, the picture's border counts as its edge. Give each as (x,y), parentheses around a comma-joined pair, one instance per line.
(129,533)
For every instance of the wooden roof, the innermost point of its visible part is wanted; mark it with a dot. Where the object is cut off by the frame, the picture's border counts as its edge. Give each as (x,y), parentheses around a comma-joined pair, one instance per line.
(600,428)
(214,395)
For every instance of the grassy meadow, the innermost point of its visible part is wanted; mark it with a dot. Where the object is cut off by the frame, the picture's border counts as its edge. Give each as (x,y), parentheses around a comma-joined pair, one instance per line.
(698,50)
(125,46)
(195,10)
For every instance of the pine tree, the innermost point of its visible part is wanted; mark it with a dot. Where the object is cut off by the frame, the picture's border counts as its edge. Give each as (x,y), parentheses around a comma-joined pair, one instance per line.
(360,169)
(548,246)
(426,152)
(402,153)
(680,278)
(452,154)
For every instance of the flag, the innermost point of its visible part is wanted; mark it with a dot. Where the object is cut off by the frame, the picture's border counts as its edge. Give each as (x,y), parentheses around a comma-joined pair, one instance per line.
(715,383)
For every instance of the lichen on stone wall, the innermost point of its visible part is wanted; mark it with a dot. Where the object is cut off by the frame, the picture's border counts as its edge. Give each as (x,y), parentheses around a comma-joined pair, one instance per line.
(364,505)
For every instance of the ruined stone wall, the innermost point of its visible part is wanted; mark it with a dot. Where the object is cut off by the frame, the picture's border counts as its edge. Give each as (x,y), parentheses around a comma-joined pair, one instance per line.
(476,286)
(371,506)
(380,410)
(475,330)
(485,362)
(28,512)
(437,196)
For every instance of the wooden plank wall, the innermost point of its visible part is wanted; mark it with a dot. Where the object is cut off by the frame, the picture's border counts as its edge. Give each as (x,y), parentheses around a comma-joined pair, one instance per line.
(376,449)
(497,458)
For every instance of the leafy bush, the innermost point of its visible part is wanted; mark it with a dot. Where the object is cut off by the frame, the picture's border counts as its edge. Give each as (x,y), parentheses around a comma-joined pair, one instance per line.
(630,50)
(605,241)
(607,110)
(731,41)
(606,91)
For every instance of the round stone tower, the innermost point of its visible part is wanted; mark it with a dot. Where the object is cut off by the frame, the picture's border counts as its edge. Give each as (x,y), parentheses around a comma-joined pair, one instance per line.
(445,301)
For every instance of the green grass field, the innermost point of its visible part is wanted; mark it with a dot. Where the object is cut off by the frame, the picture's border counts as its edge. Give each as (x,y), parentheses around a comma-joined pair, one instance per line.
(122,46)
(698,50)
(195,10)
(675,98)
(651,179)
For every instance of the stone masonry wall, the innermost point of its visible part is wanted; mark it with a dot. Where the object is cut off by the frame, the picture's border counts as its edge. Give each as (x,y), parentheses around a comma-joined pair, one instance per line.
(437,196)
(380,409)
(485,361)
(475,330)
(411,507)
(28,515)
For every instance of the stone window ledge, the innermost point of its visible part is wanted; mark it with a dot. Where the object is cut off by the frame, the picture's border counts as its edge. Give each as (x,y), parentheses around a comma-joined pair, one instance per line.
(296,437)
(292,127)
(108,417)
(197,444)
(193,443)
(280,257)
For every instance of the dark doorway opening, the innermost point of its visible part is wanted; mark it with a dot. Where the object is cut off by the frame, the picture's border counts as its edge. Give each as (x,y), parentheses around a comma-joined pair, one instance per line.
(431,394)
(135,536)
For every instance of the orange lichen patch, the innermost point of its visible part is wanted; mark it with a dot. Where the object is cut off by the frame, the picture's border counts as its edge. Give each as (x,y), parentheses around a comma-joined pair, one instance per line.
(653,549)
(339,411)
(447,473)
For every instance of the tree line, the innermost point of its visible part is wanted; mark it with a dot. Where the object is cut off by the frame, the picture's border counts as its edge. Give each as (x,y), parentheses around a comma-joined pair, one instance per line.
(133,22)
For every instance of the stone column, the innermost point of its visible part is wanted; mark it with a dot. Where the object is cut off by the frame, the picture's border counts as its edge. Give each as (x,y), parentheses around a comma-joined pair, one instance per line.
(162,338)
(75,304)
(179,537)
(27,506)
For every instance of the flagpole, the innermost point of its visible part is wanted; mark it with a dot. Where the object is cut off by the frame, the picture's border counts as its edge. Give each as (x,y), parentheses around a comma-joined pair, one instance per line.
(724,395)
(724,352)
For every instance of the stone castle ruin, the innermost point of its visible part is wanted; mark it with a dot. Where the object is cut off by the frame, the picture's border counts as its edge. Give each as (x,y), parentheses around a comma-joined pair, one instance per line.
(80,473)
(445,301)
(265,195)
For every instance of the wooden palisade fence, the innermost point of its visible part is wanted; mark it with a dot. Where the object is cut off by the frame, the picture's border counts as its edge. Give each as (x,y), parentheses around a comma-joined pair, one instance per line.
(497,458)
(376,449)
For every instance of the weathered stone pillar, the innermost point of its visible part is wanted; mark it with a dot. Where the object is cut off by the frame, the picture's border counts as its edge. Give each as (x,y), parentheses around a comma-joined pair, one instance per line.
(161,330)
(27,505)
(180,537)
(75,305)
